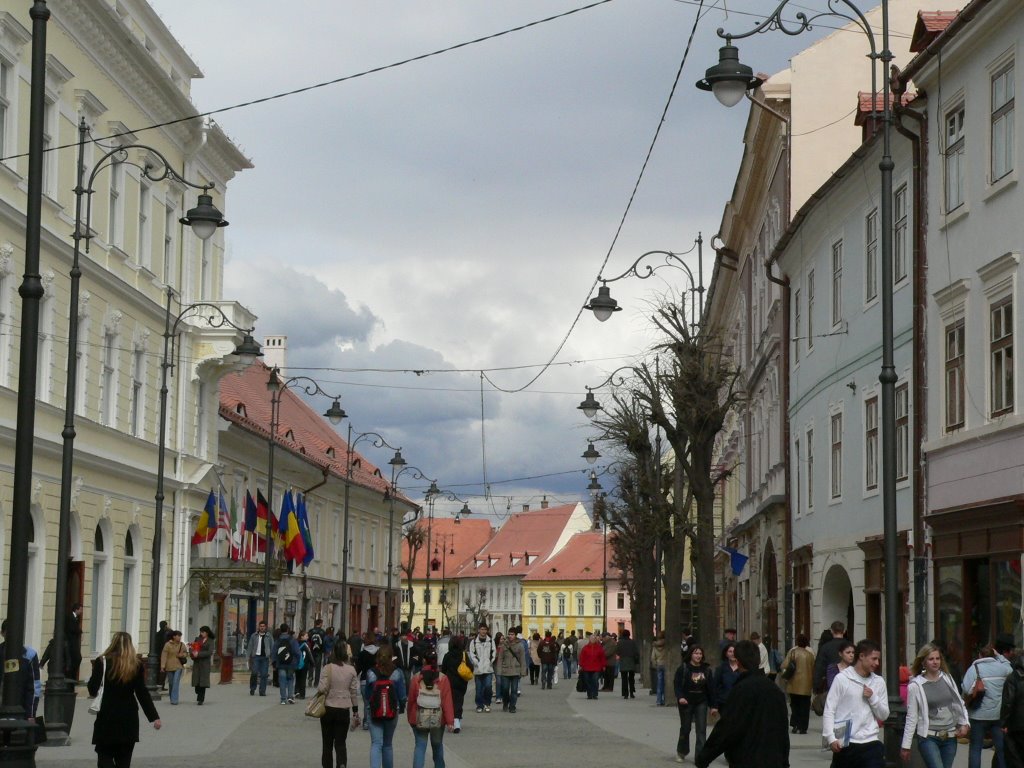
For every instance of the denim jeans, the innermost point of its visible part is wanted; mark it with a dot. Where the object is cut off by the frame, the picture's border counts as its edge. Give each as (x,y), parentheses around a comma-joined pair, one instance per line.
(509,691)
(436,747)
(259,670)
(978,730)
(695,715)
(566,667)
(937,753)
(483,690)
(547,675)
(659,686)
(382,733)
(592,679)
(286,683)
(173,684)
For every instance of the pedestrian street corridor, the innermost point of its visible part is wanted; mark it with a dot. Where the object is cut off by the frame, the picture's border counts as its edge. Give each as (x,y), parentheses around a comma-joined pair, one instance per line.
(550,728)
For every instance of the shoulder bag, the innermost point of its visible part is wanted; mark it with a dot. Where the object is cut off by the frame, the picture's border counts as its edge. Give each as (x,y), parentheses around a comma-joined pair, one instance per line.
(465,671)
(317,706)
(976,695)
(94,707)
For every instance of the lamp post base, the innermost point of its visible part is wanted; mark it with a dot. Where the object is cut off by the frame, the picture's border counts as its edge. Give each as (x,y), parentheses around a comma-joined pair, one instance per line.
(17,743)
(894,726)
(59,711)
(153,676)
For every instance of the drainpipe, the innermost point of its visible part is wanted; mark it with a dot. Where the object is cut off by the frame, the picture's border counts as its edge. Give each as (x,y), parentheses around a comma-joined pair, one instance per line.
(918,136)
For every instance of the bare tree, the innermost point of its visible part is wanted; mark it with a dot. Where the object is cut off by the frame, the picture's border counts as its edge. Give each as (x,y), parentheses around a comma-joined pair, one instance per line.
(415,537)
(476,612)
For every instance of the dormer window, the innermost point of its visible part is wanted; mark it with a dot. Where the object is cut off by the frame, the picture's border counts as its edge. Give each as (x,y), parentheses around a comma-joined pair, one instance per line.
(492,561)
(376,472)
(240,409)
(289,435)
(530,559)
(330,451)
(477,562)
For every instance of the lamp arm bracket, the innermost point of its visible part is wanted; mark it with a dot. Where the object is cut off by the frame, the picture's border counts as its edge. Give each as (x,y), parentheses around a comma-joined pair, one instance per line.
(378,440)
(615,382)
(774,21)
(671,259)
(216,319)
(306,384)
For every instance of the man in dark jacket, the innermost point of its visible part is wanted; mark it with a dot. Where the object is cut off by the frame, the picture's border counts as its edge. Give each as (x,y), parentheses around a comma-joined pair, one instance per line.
(629,662)
(1011,714)
(753,730)
(547,651)
(828,654)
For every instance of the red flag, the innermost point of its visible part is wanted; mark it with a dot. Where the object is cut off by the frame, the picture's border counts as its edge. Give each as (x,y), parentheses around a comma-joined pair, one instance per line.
(263,513)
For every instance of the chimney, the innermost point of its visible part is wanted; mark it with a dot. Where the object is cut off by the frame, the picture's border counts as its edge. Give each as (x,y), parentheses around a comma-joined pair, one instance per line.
(544,503)
(526,507)
(275,351)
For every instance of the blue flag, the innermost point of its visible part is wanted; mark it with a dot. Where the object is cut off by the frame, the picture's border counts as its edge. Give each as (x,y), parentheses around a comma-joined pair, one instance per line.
(737,560)
(307,537)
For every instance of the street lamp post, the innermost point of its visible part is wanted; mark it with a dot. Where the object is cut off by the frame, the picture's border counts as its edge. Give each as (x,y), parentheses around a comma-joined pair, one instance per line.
(18,747)
(600,519)
(446,539)
(276,386)
(399,466)
(432,494)
(729,80)
(247,351)
(378,442)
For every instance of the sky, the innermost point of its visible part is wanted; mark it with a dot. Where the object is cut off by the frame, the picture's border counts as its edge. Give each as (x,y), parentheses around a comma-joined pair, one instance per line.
(451,214)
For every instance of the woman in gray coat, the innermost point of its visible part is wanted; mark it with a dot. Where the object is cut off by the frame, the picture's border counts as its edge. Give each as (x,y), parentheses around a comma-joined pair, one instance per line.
(202,661)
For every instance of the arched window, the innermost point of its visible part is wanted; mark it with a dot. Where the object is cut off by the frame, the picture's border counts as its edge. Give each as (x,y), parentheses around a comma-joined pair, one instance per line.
(36,568)
(130,587)
(100,591)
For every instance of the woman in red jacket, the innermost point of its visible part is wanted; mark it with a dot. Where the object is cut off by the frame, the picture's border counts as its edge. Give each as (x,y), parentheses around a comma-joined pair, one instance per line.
(592,662)
(429,685)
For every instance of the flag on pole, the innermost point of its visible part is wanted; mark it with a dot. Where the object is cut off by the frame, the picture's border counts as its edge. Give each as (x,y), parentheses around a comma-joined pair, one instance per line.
(263,515)
(307,538)
(235,532)
(294,547)
(250,512)
(206,525)
(737,560)
(224,516)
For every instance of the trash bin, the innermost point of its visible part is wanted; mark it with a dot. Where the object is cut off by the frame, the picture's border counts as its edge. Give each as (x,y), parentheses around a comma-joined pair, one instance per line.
(227,669)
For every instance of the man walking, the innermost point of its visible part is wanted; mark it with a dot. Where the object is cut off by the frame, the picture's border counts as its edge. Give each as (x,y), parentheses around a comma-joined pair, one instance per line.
(73,632)
(752,732)
(317,646)
(258,649)
(481,653)
(286,660)
(856,702)
(609,643)
(547,651)
(828,654)
(629,662)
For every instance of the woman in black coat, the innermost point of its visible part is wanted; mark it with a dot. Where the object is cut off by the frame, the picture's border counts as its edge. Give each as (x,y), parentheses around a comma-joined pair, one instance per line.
(450,668)
(123,677)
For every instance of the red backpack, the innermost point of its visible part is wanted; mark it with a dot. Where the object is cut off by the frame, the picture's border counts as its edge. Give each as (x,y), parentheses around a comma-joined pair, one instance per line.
(383,700)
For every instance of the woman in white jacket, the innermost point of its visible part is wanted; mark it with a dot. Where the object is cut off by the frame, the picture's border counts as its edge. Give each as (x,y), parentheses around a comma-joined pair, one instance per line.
(935,710)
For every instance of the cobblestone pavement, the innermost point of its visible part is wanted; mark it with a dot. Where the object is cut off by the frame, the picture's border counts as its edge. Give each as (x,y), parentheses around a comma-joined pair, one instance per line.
(551,728)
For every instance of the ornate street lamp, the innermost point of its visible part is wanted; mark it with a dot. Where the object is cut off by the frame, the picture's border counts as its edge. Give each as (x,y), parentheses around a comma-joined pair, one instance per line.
(740,81)
(432,495)
(591,454)
(399,466)
(276,386)
(247,352)
(590,405)
(378,442)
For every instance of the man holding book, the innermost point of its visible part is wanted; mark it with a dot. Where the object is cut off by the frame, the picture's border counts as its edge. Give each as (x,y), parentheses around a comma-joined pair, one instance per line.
(856,702)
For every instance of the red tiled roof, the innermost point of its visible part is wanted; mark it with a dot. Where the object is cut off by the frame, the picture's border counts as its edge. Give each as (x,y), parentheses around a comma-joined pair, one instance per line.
(465,537)
(866,105)
(527,538)
(579,560)
(245,401)
(930,24)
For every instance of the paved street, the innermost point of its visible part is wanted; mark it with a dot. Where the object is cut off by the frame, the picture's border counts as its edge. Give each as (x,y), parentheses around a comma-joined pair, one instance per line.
(555,727)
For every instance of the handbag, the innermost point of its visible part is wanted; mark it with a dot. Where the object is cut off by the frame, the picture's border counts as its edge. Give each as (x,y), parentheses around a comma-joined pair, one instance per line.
(976,695)
(465,671)
(790,670)
(94,707)
(317,706)
(818,703)
(581,684)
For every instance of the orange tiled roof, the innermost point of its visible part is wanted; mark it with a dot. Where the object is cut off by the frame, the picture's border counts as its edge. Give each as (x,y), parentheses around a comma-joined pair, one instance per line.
(866,105)
(579,560)
(245,401)
(465,538)
(930,24)
(525,539)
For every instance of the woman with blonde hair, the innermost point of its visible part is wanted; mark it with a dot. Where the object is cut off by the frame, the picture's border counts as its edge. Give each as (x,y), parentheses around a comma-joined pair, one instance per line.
(936,713)
(121,673)
(339,682)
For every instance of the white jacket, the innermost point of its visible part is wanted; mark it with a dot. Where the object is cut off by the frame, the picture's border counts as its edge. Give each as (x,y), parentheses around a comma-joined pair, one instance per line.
(846,702)
(917,708)
(482,654)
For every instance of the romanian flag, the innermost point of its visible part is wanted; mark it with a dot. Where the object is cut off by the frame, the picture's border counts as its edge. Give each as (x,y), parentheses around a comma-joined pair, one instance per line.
(250,512)
(307,537)
(294,547)
(206,526)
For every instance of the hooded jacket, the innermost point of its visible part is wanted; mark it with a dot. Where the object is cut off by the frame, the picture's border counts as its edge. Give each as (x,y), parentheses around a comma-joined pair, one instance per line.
(917,708)
(753,730)
(1011,712)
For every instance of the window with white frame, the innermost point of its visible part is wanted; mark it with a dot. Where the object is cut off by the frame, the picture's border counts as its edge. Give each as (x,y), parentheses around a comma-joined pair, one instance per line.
(902,432)
(1002,122)
(145,245)
(900,246)
(810,470)
(202,432)
(137,418)
(581,605)
(797,323)
(955,160)
(533,605)
(50,117)
(82,364)
(1001,356)
(108,379)
(547,605)
(44,377)
(115,203)
(598,605)
(871,256)
(170,222)
(810,310)
(871,443)
(561,605)
(797,476)
(836,443)
(6,93)
(406,595)
(837,282)
(620,601)
(5,324)
(955,358)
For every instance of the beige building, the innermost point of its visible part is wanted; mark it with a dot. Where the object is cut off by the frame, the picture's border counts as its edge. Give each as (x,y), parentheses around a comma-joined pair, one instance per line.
(138,251)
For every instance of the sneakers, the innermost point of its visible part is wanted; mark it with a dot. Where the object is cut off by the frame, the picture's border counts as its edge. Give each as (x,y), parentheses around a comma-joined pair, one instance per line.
(680,758)
(291,701)
(487,709)
(479,709)
(458,725)
(252,693)
(283,701)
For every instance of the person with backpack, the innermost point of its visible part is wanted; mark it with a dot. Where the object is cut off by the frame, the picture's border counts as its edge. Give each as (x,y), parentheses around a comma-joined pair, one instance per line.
(305,665)
(431,711)
(318,649)
(385,696)
(286,661)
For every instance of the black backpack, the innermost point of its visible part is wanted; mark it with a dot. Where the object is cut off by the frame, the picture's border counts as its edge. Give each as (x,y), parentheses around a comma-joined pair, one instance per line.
(317,641)
(284,651)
